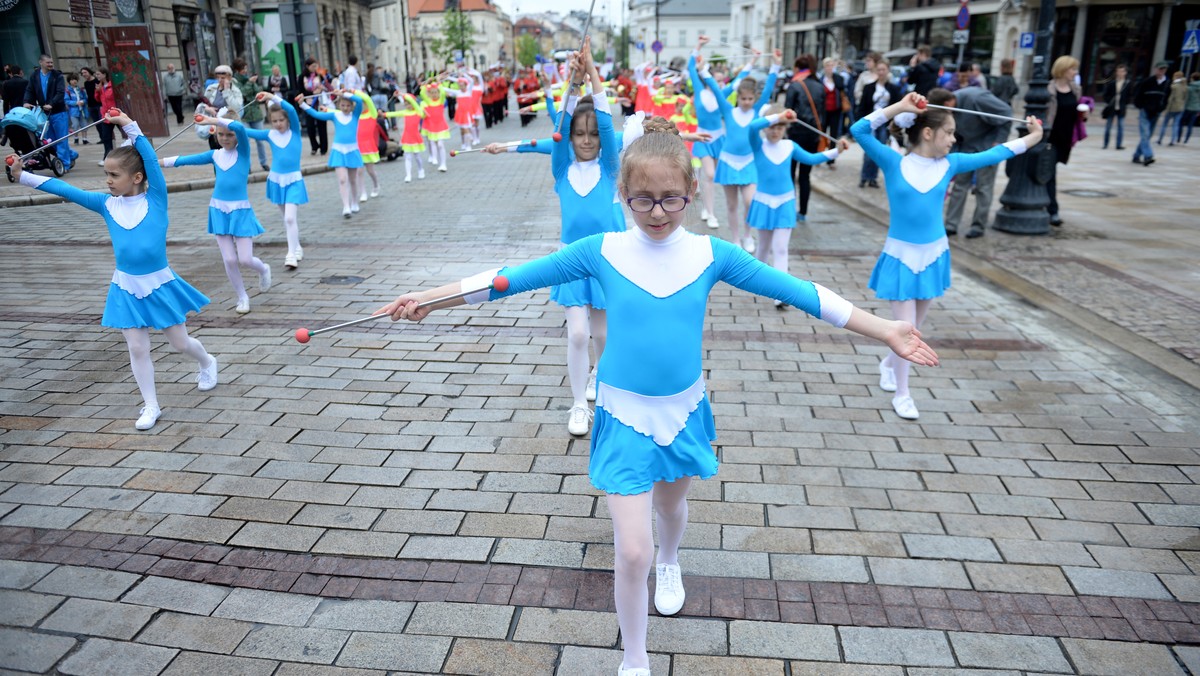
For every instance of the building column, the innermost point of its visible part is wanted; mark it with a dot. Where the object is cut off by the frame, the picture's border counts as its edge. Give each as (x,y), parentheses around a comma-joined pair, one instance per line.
(1081,22)
(1160,40)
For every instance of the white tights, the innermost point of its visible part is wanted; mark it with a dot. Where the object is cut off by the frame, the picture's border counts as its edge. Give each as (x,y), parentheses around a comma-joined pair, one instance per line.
(708,194)
(633,542)
(913,312)
(291,226)
(731,205)
(775,243)
(347,185)
(583,322)
(138,341)
(437,152)
(408,162)
(237,251)
(369,169)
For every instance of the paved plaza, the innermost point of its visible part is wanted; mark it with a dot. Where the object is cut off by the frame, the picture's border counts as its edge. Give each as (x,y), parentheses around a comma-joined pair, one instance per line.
(406,499)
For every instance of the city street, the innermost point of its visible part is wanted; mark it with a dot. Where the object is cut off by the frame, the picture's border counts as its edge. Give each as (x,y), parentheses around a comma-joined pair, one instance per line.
(406,499)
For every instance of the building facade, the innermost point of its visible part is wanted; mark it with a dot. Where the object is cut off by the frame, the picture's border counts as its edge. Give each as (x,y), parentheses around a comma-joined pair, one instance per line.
(677,24)
(389,19)
(492,41)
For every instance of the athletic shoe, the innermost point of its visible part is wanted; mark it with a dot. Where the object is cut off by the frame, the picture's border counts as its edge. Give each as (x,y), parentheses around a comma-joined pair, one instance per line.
(580,420)
(590,391)
(408,179)
(703,214)
(622,671)
(289,261)
(905,408)
(748,243)
(420,174)
(713,222)
(887,378)
(345,212)
(362,197)
(442,168)
(299,254)
(779,305)
(100,163)
(354,207)
(207,378)
(668,589)
(974,232)
(243,305)
(374,192)
(149,415)
(264,279)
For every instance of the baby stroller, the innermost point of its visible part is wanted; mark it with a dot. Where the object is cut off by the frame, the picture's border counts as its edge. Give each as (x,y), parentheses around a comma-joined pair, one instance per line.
(26,131)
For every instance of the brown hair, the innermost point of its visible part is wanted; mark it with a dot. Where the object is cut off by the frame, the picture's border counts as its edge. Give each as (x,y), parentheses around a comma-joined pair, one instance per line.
(934,118)
(925,50)
(1006,66)
(585,106)
(660,142)
(275,108)
(940,96)
(130,160)
(748,85)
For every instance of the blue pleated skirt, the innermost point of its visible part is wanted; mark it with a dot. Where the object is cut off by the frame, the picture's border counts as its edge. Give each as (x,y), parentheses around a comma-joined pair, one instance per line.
(168,305)
(712,149)
(727,175)
(350,160)
(237,223)
(292,193)
(763,217)
(627,462)
(893,280)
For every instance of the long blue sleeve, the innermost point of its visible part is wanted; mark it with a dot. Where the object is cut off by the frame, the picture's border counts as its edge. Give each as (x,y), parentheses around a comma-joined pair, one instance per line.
(741,270)
(804,157)
(258,134)
(86,199)
(560,154)
(205,157)
(318,114)
(575,261)
(964,162)
(768,89)
(243,147)
(156,182)
(545,146)
(610,149)
(756,126)
(882,155)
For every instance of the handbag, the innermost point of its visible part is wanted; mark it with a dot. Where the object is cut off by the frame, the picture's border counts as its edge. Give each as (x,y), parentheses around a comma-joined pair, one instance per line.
(822,142)
(845,102)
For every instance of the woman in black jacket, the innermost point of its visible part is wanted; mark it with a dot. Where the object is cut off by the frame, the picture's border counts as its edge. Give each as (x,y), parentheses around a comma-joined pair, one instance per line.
(876,95)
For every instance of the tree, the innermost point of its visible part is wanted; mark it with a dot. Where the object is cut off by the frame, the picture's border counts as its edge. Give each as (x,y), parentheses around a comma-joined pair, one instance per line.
(623,47)
(457,33)
(527,50)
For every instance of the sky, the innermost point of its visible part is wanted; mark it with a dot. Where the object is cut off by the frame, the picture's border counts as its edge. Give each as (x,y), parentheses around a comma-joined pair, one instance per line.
(609,8)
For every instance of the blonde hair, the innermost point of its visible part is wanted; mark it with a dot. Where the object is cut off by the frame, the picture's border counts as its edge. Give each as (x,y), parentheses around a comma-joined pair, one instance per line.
(1061,65)
(660,142)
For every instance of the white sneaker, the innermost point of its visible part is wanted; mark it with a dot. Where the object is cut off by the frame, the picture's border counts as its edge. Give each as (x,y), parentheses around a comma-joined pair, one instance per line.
(668,589)
(362,197)
(713,222)
(905,408)
(101,164)
(749,244)
(703,214)
(345,212)
(149,416)
(264,279)
(589,392)
(408,179)
(887,378)
(622,671)
(779,305)
(374,192)
(243,305)
(354,207)
(580,420)
(289,261)
(442,168)
(420,174)
(299,254)
(207,378)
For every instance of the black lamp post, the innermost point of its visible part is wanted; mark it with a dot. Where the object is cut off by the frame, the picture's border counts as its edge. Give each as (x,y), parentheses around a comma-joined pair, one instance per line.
(1024,202)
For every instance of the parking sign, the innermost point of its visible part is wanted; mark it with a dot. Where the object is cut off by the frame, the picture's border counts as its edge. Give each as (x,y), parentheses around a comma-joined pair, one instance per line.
(1026,41)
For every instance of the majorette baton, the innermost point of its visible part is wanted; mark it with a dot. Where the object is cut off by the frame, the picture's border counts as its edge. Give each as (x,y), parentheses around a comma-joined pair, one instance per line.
(10,159)
(511,144)
(499,283)
(557,135)
(925,104)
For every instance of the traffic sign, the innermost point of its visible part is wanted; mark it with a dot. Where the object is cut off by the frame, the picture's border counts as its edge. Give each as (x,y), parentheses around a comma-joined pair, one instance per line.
(1027,40)
(964,17)
(961,37)
(1191,42)
(656,46)
(640,46)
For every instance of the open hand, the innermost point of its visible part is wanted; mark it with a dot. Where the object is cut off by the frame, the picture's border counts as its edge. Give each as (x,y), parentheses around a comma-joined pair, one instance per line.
(905,341)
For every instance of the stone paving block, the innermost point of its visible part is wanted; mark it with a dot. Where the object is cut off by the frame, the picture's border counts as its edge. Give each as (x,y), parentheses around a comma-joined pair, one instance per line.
(98,618)
(539,553)
(196,528)
(857,544)
(461,619)
(125,523)
(1190,656)
(377,476)
(582,661)
(23,650)
(277,536)
(912,573)
(574,627)
(765,539)
(179,595)
(257,509)
(1114,658)
(1076,531)
(322,493)
(401,653)
(897,521)
(22,574)
(414,521)
(684,635)
(818,568)
(294,669)
(470,656)
(88,583)
(909,647)
(711,665)
(268,607)
(827,669)
(1100,510)
(102,657)
(788,641)
(43,516)
(293,644)
(194,664)
(359,543)
(107,498)
(1015,505)
(25,609)
(477,501)
(993,651)
(1172,515)
(951,547)
(504,525)
(1183,587)
(177,503)
(446,548)
(1098,582)
(207,634)
(374,616)
(715,563)
(771,494)
(1164,537)
(1135,558)
(829,518)
(337,516)
(1009,577)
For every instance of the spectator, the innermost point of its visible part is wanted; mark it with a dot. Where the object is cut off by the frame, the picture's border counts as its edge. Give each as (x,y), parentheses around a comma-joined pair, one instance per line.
(350,78)
(76,104)
(1192,108)
(976,134)
(805,96)
(13,91)
(47,89)
(835,89)
(925,70)
(252,114)
(174,87)
(89,82)
(1117,94)
(1150,97)
(105,98)
(314,85)
(1005,87)
(877,95)
(1176,101)
(222,93)
(1061,117)
(867,77)
(278,83)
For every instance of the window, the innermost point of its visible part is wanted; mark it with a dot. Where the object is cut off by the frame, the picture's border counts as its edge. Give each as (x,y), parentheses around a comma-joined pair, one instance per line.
(724,36)
(683,38)
(812,10)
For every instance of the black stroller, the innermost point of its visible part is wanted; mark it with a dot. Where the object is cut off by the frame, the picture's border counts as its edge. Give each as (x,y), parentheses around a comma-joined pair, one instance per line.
(26,130)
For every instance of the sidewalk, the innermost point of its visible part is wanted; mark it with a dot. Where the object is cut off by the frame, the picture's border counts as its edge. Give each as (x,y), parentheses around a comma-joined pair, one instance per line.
(88,175)
(1123,265)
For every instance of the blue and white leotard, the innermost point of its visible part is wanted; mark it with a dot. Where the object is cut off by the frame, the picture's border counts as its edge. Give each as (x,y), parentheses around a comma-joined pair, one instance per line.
(736,161)
(915,263)
(285,182)
(144,292)
(229,210)
(708,111)
(345,152)
(774,203)
(653,419)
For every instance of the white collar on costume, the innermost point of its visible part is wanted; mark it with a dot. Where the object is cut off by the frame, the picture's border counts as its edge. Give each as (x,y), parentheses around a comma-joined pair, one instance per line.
(709,100)
(743,117)
(583,176)
(778,152)
(343,118)
(660,268)
(128,211)
(280,138)
(923,173)
(225,158)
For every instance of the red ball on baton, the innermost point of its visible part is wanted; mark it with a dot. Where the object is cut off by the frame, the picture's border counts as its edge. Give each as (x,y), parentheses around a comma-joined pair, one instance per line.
(9,160)
(198,118)
(500,283)
(922,103)
(556,136)
(533,142)
(453,153)
(302,335)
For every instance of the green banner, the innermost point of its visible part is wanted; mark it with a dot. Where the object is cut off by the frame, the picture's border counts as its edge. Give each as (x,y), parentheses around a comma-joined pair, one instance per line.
(268,41)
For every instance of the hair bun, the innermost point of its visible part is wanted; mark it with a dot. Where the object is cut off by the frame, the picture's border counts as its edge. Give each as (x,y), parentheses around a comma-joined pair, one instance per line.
(904,120)
(659,125)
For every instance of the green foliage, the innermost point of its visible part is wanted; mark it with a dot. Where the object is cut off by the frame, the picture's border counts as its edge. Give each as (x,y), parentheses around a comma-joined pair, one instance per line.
(457,33)
(623,46)
(527,50)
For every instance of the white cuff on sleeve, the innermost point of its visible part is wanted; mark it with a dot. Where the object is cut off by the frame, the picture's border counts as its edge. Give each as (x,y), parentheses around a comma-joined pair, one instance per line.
(569,106)
(223,121)
(878,119)
(1016,145)
(480,286)
(832,153)
(775,69)
(772,119)
(834,309)
(704,72)
(32,180)
(132,129)
(169,161)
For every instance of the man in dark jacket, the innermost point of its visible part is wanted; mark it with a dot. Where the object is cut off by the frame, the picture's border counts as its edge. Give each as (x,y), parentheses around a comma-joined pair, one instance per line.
(1150,97)
(806,97)
(925,70)
(47,90)
(976,134)
(876,95)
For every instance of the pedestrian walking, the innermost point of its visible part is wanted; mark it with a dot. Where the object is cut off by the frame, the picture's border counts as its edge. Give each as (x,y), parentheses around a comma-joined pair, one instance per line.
(1062,115)
(231,219)
(174,87)
(914,267)
(145,293)
(976,134)
(1191,110)
(924,70)
(836,102)
(1150,96)
(801,97)
(1118,92)
(106,98)
(1176,102)
(47,90)
(654,423)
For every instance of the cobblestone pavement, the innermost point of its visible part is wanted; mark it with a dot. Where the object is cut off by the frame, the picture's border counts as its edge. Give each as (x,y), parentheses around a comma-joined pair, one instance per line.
(406,498)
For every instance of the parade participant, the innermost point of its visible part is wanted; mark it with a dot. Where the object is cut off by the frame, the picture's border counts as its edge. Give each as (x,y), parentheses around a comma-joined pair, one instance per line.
(526,88)
(434,128)
(368,146)
(345,158)
(643,99)
(708,119)
(144,293)
(411,141)
(735,166)
(654,425)
(231,219)
(772,212)
(285,182)
(914,267)
(464,114)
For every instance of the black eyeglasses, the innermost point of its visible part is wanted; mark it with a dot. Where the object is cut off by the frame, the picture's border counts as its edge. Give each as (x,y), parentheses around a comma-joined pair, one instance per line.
(644,205)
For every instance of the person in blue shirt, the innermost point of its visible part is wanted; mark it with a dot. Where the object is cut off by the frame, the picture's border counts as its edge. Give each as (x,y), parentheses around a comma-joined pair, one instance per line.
(654,426)
(345,158)
(285,183)
(914,267)
(145,292)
